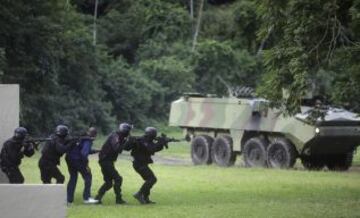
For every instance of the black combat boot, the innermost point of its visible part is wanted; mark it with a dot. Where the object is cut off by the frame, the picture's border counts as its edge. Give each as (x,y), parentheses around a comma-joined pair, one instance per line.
(120,201)
(140,197)
(98,198)
(148,201)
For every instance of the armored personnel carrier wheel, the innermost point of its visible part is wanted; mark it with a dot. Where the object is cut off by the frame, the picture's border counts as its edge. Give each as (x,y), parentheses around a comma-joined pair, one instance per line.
(222,151)
(340,162)
(201,149)
(281,154)
(316,162)
(255,152)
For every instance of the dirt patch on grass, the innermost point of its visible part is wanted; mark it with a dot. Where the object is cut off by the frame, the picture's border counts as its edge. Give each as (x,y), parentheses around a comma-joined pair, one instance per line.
(170,160)
(179,161)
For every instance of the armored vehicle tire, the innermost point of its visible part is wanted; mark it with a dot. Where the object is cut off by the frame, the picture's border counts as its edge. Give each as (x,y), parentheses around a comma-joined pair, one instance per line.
(340,162)
(201,149)
(281,154)
(315,162)
(222,151)
(255,152)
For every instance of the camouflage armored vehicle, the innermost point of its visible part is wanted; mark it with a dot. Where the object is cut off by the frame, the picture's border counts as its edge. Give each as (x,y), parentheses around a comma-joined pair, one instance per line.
(220,129)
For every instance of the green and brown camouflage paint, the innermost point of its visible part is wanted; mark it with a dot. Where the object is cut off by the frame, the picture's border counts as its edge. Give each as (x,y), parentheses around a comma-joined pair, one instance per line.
(237,116)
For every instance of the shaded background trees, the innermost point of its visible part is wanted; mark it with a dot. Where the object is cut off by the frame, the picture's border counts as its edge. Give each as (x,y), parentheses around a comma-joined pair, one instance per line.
(143,58)
(48,52)
(314,46)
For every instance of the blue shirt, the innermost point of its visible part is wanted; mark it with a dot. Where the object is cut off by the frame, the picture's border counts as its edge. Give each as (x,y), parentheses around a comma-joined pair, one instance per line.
(81,151)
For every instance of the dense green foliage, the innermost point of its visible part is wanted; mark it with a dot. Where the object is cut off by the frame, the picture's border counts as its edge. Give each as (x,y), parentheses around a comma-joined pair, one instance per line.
(314,45)
(142,57)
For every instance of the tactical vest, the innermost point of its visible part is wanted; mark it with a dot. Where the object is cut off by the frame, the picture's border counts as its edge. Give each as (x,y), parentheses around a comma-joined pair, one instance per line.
(107,152)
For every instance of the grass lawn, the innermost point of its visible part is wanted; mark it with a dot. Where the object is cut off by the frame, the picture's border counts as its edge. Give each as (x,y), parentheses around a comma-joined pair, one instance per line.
(211,191)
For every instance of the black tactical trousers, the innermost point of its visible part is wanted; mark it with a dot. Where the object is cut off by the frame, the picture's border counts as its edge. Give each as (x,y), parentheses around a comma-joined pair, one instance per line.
(147,174)
(111,179)
(49,170)
(14,175)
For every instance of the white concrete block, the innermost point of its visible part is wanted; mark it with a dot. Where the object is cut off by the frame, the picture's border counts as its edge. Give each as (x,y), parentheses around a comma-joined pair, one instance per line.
(32,201)
(9,115)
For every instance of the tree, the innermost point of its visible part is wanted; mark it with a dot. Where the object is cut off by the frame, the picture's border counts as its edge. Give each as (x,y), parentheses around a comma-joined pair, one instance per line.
(174,76)
(237,23)
(129,91)
(213,59)
(50,55)
(124,31)
(308,37)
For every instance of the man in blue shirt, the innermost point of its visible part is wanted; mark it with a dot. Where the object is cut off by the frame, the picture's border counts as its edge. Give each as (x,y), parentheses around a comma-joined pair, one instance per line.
(77,162)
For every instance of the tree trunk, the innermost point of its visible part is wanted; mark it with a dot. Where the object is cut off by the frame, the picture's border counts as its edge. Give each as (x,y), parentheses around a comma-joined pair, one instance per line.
(192,9)
(192,15)
(263,42)
(95,17)
(198,23)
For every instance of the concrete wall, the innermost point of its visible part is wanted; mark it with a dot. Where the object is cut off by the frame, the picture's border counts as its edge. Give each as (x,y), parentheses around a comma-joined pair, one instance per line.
(19,201)
(32,201)
(9,115)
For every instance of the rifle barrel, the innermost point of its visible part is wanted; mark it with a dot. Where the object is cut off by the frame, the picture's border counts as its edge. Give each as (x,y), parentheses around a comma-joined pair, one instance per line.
(37,139)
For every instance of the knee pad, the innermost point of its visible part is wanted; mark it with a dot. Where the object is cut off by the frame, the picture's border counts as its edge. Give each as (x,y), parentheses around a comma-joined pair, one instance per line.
(153,180)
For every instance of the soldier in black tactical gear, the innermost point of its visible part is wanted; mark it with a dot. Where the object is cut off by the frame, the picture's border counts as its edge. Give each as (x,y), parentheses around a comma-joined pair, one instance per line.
(142,150)
(113,146)
(60,143)
(11,154)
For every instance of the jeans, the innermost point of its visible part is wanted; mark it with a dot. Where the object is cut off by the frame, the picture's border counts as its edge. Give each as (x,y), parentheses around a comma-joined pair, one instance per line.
(75,167)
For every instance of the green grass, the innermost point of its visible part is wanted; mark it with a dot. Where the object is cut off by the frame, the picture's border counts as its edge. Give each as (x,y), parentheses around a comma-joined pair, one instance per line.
(211,191)
(356,160)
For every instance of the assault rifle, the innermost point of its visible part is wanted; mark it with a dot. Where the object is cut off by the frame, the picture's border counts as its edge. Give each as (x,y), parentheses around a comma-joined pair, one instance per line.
(36,141)
(81,137)
(163,138)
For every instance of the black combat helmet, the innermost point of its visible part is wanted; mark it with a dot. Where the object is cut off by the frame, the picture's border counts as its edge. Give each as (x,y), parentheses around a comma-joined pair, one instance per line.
(150,132)
(124,129)
(20,133)
(62,130)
